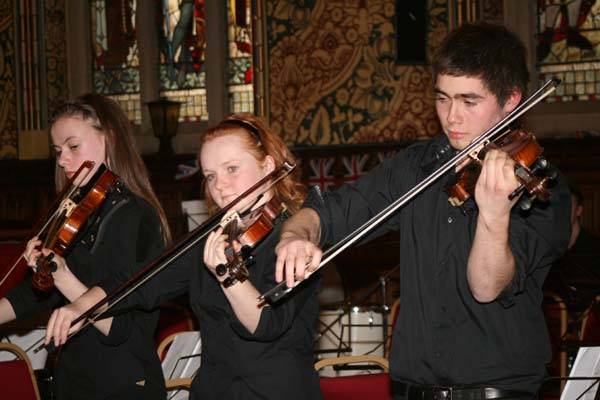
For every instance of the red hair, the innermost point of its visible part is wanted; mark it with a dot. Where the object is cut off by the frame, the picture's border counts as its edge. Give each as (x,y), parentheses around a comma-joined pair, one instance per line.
(260,142)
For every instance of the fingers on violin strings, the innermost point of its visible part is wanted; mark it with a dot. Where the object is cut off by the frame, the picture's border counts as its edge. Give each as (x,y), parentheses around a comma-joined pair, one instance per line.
(508,171)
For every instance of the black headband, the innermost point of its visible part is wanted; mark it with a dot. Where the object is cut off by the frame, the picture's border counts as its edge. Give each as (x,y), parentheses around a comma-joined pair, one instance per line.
(249,126)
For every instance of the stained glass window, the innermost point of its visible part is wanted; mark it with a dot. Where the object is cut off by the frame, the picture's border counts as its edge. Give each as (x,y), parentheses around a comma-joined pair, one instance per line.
(182,56)
(240,69)
(115,54)
(568,47)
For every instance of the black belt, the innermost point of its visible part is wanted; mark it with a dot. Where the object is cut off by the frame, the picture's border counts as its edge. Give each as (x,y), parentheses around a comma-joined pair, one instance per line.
(410,392)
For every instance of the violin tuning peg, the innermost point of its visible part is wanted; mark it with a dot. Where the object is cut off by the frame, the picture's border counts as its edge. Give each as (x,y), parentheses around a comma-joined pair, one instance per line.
(540,164)
(221,269)
(229,281)
(525,203)
(52,266)
(246,252)
(516,192)
(552,174)
(250,260)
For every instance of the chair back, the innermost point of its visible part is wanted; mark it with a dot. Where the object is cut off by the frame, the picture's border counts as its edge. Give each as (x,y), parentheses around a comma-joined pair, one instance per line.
(17,380)
(374,386)
(392,318)
(590,324)
(181,362)
(174,318)
(555,312)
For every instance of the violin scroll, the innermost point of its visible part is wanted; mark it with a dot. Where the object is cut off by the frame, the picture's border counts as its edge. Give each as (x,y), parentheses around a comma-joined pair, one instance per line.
(532,171)
(248,231)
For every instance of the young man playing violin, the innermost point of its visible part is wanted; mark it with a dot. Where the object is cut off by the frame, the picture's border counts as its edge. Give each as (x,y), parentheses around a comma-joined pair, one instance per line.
(470,325)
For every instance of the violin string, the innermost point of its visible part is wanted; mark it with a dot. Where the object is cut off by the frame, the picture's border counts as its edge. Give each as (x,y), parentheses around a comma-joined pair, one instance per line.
(497,130)
(280,173)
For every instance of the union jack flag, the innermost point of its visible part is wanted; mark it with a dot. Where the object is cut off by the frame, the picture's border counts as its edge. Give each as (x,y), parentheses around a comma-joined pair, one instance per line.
(355,167)
(321,173)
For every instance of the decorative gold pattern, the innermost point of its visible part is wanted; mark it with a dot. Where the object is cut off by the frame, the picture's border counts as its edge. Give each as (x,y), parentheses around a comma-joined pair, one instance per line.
(333,78)
(56,52)
(491,11)
(8,111)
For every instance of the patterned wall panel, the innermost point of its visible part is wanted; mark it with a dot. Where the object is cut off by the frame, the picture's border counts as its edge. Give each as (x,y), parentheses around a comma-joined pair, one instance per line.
(56,52)
(8,111)
(492,11)
(333,78)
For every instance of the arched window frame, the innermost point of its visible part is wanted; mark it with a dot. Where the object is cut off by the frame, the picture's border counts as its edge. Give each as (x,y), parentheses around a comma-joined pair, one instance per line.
(79,67)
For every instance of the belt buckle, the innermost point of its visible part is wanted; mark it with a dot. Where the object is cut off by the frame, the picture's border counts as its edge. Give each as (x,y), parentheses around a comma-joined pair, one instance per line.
(442,393)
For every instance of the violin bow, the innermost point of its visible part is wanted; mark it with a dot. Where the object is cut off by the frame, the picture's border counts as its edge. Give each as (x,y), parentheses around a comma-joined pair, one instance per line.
(172,253)
(495,132)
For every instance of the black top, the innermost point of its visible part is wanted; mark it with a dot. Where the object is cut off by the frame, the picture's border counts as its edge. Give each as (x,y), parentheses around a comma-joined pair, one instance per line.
(443,335)
(123,235)
(576,275)
(276,362)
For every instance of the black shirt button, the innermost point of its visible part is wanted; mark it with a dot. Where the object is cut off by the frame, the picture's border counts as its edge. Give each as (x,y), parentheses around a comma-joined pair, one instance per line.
(449,220)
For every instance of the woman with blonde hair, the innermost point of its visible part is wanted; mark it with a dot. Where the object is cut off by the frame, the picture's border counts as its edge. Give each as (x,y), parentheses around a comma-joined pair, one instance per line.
(128,229)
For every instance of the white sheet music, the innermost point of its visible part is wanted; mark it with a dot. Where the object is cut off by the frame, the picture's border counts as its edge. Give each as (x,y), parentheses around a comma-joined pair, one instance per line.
(182,360)
(27,341)
(587,364)
(195,211)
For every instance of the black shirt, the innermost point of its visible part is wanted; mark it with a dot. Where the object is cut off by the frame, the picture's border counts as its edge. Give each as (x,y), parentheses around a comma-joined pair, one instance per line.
(443,335)
(120,238)
(274,362)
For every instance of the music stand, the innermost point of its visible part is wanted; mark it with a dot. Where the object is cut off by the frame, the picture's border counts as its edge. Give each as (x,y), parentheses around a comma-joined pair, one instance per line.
(195,213)
(583,380)
(345,339)
(182,360)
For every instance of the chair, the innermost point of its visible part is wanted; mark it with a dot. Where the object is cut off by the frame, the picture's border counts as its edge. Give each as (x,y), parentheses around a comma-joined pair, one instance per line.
(555,312)
(174,318)
(17,380)
(590,324)
(392,318)
(375,386)
(180,363)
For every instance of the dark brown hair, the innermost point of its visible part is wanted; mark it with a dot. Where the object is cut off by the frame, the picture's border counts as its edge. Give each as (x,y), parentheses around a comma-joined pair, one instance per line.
(486,51)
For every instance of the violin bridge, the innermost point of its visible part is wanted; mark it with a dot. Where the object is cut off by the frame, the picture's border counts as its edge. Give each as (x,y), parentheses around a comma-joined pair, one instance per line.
(474,154)
(67,206)
(229,217)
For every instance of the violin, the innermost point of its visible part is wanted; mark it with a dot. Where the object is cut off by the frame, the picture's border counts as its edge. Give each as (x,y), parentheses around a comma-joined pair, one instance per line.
(531,170)
(179,248)
(72,215)
(248,231)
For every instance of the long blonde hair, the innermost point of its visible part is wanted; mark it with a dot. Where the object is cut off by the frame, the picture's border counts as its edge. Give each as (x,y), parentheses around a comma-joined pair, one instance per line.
(108,119)
(260,142)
